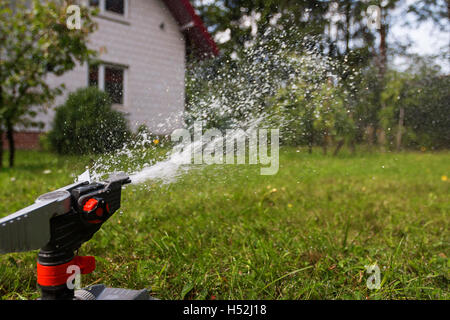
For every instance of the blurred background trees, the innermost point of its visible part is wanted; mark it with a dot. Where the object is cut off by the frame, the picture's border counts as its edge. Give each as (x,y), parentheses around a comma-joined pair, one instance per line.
(375,102)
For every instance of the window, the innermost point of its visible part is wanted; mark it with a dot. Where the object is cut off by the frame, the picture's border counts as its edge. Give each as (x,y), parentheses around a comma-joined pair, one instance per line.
(109,78)
(118,7)
(93,76)
(114,84)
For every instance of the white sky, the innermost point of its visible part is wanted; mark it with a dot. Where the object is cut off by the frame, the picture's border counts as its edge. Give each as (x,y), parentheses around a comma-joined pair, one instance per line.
(426,39)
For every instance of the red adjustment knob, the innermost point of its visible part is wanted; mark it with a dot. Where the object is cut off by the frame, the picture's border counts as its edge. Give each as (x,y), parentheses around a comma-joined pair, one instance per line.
(94,209)
(90,205)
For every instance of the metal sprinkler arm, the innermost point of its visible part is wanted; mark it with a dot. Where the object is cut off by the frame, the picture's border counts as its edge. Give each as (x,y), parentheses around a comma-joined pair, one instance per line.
(29,228)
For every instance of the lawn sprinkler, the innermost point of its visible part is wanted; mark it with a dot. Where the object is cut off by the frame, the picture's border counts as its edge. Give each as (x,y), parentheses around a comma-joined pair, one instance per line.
(58,223)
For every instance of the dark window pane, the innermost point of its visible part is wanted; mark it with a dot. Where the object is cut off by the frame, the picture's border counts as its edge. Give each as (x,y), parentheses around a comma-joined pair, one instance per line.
(116,6)
(114,84)
(93,76)
(94,3)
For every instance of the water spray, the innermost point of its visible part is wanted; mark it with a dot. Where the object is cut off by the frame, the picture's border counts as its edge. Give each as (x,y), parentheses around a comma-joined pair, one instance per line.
(235,98)
(58,223)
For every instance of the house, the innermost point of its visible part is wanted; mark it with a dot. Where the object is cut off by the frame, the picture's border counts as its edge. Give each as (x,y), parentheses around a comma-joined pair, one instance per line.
(143,46)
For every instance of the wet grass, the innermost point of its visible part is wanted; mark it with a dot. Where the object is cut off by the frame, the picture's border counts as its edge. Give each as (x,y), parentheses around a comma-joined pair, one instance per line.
(226,232)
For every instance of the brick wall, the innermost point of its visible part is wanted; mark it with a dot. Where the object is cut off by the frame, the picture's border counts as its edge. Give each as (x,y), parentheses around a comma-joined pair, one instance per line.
(24,140)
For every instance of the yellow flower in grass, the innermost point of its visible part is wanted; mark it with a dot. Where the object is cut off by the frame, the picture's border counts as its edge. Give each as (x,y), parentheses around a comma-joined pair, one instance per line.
(156,141)
(290,205)
(444,178)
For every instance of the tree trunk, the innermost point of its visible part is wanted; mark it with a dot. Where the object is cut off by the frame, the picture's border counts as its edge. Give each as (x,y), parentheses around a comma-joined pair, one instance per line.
(12,147)
(383,52)
(1,129)
(401,119)
(338,147)
(352,146)
(325,143)
(448,9)
(310,138)
(370,136)
(347,28)
(1,148)
(381,139)
(381,134)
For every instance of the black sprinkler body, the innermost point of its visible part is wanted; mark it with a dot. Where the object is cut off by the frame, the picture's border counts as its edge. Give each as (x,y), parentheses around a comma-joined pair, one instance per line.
(58,224)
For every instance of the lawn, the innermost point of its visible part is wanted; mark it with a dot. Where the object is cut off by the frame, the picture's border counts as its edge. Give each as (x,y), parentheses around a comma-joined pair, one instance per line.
(226,232)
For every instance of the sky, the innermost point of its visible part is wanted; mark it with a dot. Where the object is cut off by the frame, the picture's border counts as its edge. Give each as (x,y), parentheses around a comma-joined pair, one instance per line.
(426,39)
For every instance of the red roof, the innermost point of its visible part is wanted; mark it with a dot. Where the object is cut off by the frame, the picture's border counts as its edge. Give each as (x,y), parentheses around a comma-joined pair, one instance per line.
(192,26)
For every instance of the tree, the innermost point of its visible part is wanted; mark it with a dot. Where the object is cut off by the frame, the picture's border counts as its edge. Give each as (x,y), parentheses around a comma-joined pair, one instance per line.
(426,114)
(369,88)
(311,109)
(381,60)
(428,10)
(395,98)
(245,20)
(436,10)
(35,43)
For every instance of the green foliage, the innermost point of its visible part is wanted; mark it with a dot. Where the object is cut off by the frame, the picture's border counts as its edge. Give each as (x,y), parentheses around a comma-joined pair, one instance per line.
(294,114)
(35,43)
(365,100)
(86,123)
(424,96)
(370,94)
(310,115)
(44,142)
(229,14)
(307,16)
(428,113)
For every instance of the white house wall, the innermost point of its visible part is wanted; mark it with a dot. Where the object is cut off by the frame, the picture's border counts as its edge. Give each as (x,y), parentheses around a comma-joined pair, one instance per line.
(154,58)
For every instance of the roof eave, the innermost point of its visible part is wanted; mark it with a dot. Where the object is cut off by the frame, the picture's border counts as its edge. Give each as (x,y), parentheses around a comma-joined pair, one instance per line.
(192,25)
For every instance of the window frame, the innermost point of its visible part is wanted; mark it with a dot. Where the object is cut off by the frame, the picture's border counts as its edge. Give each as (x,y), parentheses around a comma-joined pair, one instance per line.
(110,14)
(101,79)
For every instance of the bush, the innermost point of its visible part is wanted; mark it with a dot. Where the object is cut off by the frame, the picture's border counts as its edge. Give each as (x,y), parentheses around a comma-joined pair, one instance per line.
(44,143)
(86,123)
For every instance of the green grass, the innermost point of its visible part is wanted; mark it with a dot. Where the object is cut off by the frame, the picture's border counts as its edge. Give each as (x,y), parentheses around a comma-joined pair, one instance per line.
(226,232)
